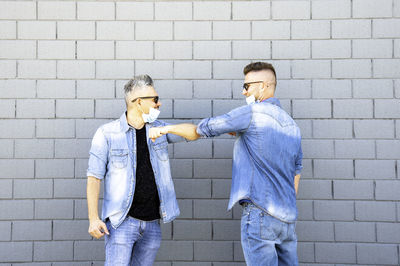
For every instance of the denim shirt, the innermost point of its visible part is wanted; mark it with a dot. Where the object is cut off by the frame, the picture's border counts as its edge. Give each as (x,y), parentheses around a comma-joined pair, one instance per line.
(113,158)
(266,156)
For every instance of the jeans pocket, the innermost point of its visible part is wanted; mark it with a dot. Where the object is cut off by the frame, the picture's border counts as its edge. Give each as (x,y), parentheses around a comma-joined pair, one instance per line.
(270,228)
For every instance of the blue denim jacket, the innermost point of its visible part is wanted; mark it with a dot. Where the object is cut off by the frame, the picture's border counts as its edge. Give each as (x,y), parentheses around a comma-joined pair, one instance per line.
(266,156)
(113,157)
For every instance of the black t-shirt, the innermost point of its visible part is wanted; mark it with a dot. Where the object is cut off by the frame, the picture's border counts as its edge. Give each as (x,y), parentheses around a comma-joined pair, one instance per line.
(146,203)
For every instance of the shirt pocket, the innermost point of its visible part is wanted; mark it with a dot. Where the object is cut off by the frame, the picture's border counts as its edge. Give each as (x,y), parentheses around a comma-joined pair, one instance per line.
(161,149)
(119,158)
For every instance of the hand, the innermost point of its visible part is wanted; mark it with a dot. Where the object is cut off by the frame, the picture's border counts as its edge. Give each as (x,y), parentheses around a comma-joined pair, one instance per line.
(156,132)
(97,228)
(232,133)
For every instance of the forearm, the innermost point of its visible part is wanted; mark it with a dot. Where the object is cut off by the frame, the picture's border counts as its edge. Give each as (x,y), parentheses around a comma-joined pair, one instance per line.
(296,182)
(187,131)
(93,191)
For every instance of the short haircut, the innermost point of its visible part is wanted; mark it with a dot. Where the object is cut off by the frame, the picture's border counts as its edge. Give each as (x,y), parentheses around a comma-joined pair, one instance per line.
(258,66)
(138,82)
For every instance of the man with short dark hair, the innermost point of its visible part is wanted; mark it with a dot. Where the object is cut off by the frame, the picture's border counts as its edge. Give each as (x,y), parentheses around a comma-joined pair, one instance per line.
(138,188)
(266,168)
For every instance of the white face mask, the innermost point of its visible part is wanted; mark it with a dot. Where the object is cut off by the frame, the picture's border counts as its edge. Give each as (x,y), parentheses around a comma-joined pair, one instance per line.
(251,99)
(151,116)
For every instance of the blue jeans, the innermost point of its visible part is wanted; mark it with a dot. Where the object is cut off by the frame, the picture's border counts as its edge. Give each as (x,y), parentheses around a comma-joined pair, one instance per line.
(267,241)
(134,242)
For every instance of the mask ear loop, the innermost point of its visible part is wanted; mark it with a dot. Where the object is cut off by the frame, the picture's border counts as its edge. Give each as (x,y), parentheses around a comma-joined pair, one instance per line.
(259,97)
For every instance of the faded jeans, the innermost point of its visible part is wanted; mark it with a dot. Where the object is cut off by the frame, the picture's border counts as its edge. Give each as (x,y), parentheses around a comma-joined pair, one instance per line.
(267,241)
(134,242)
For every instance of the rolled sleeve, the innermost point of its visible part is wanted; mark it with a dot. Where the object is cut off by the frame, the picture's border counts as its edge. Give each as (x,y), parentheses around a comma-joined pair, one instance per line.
(299,164)
(98,156)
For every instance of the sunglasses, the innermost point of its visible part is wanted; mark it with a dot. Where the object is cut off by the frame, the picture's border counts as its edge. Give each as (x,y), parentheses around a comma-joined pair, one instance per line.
(246,85)
(155,98)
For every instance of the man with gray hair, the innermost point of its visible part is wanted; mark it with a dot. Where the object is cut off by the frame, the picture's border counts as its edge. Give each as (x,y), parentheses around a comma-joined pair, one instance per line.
(138,187)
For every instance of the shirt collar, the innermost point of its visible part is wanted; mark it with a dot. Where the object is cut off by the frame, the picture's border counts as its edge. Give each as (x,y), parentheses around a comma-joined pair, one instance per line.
(273,101)
(124,123)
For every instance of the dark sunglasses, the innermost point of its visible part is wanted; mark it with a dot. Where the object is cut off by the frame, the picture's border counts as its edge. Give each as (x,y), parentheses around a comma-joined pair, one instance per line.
(246,85)
(155,98)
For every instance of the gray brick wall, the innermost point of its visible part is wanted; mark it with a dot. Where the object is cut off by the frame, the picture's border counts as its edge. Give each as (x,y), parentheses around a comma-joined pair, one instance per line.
(63,65)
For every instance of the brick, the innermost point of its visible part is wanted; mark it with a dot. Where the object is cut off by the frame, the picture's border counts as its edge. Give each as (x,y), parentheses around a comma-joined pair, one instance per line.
(155,69)
(6,192)
(351,68)
(352,108)
(115,30)
(74,108)
(186,208)
(315,189)
(355,232)
(36,30)
(184,230)
(181,168)
(54,168)
(173,10)
(372,9)
(24,189)
(70,230)
(333,210)
(362,129)
(8,149)
(226,230)
(223,148)
(174,89)
(377,254)
(17,49)
(134,11)
(231,30)
(388,149)
(193,30)
(211,209)
(349,149)
(70,188)
(95,10)
(314,231)
(8,30)
(353,29)
(375,169)
(217,10)
(175,250)
(396,9)
(331,9)
(386,28)
(397,48)
(76,69)
(79,30)
(116,69)
(318,148)
(22,230)
(17,10)
(385,232)
(372,48)
(212,50)
(213,250)
(192,69)
(221,107)
(221,188)
(293,89)
(54,209)
(17,128)
(16,251)
(335,253)
(386,68)
(305,128)
(95,89)
(89,250)
(6,231)
(16,168)
(55,89)
(53,250)
(251,50)
(398,129)
(290,49)
(375,211)
(307,171)
(311,109)
(312,69)
(111,108)
(16,210)
(95,50)
(8,69)
(34,148)
(153,30)
(72,148)
(332,129)
(305,210)
(311,29)
(387,190)
(335,169)
(326,49)
(256,10)
(373,88)
(134,50)
(7,109)
(36,69)
(270,30)
(306,251)
(173,50)
(81,210)
(198,149)
(387,108)
(81,167)
(193,188)
(190,263)
(349,189)
(291,10)
(56,11)
(56,50)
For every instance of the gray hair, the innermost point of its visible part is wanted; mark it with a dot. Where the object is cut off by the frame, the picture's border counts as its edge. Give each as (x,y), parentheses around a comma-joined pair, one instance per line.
(138,82)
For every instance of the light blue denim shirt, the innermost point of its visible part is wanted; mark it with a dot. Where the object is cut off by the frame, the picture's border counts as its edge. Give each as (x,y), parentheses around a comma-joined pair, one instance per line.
(266,156)
(113,158)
